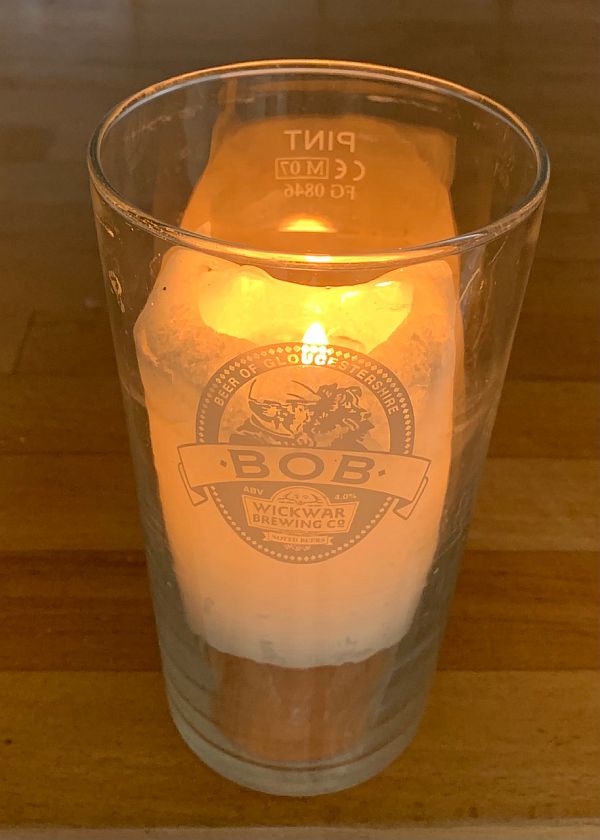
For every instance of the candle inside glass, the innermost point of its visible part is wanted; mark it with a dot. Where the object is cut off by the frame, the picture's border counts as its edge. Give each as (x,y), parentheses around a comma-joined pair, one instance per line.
(301,435)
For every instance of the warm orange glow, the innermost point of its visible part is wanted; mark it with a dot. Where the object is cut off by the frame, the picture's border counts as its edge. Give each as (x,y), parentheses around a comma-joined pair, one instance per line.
(306,224)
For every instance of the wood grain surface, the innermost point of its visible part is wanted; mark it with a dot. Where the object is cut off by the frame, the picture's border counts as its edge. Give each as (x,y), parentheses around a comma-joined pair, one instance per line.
(530,830)
(512,732)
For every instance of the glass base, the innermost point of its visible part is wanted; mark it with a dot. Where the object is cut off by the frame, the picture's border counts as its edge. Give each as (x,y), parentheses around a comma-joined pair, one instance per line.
(292,779)
(247,721)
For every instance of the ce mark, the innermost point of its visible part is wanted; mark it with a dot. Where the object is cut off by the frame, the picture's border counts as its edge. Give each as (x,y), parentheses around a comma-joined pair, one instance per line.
(356,169)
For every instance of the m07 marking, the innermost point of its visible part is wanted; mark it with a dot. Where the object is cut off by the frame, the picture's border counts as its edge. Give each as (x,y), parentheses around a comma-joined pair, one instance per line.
(315,168)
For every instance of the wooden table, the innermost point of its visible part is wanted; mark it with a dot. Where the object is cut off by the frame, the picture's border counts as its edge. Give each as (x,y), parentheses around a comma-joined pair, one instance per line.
(513,727)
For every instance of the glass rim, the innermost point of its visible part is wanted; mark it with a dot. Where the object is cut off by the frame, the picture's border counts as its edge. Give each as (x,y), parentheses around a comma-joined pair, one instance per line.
(440,249)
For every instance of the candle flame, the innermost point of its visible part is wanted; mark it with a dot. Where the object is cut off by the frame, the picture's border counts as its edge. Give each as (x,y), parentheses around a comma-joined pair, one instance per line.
(315,335)
(314,346)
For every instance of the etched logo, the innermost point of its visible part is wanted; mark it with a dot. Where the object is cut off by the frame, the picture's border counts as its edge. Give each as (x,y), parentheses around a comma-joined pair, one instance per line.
(304,455)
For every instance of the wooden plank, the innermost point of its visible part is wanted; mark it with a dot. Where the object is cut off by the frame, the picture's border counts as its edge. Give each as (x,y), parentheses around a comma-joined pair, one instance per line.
(78,611)
(538,354)
(87,501)
(68,347)
(52,184)
(12,338)
(547,420)
(39,131)
(67,502)
(47,280)
(562,300)
(567,194)
(43,412)
(70,228)
(518,610)
(530,830)
(557,336)
(491,747)
(566,237)
(574,146)
(537,505)
(20,143)
(565,289)
(75,346)
(54,413)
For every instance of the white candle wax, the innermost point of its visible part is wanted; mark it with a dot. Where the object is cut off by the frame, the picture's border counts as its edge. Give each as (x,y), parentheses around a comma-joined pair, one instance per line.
(250,603)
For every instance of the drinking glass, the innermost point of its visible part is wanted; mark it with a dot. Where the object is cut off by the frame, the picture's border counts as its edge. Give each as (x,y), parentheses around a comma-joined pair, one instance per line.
(314,272)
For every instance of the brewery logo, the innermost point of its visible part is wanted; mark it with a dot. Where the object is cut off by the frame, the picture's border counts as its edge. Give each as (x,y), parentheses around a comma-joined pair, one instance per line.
(304,453)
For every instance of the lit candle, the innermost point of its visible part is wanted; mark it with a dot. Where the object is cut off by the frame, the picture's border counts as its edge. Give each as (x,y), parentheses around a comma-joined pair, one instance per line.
(302,438)
(302,469)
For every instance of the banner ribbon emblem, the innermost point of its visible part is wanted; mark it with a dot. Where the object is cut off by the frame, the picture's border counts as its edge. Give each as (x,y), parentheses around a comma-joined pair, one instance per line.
(402,477)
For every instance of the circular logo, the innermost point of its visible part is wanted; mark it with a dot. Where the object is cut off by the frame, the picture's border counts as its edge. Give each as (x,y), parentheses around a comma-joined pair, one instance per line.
(302,452)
